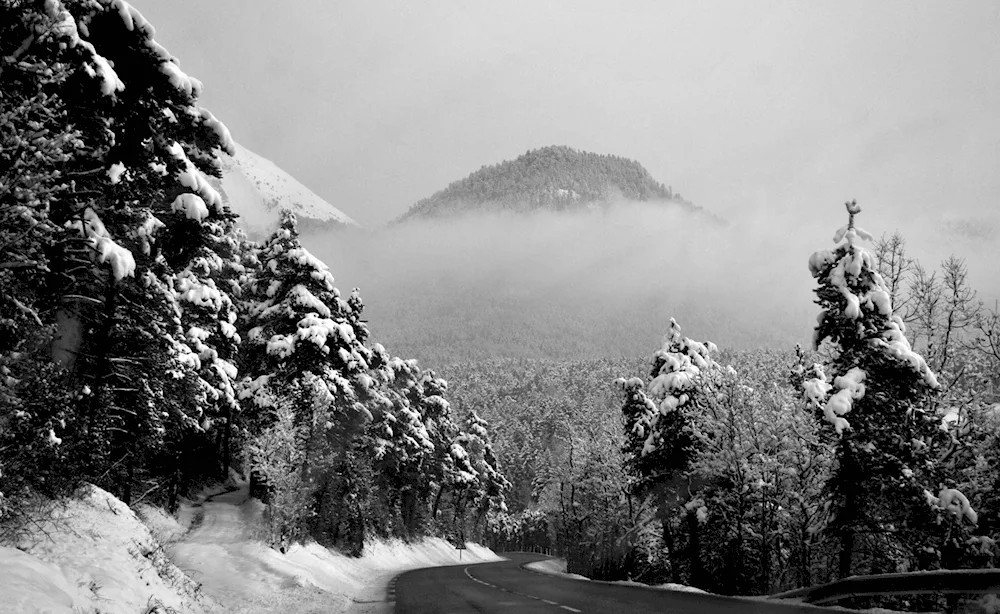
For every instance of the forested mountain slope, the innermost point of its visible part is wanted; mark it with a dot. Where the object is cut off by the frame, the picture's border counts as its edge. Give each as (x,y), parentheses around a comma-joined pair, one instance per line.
(554,177)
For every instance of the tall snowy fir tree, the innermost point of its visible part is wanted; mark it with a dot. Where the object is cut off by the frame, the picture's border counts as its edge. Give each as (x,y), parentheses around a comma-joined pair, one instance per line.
(659,438)
(208,316)
(888,493)
(492,486)
(450,474)
(111,108)
(402,450)
(298,328)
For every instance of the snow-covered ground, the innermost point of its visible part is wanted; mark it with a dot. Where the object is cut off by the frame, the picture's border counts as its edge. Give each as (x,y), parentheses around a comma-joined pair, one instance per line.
(95,555)
(557,567)
(100,556)
(248,576)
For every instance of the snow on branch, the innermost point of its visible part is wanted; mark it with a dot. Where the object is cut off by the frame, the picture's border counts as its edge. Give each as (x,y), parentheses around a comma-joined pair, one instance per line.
(192,178)
(954,502)
(225,138)
(106,250)
(851,388)
(66,28)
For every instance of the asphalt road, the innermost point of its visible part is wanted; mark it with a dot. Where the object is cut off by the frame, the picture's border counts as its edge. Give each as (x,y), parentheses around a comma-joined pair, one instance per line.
(489,588)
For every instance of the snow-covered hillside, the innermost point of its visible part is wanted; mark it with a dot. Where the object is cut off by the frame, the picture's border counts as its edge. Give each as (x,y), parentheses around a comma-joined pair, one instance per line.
(258,190)
(98,555)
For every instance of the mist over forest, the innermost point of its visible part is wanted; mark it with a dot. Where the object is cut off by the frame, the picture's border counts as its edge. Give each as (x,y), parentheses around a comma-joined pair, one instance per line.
(598,282)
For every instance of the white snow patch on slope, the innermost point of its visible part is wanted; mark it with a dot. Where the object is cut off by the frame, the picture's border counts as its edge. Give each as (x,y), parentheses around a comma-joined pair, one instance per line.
(250,577)
(557,567)
(98,555)
(258,190)
(95,555)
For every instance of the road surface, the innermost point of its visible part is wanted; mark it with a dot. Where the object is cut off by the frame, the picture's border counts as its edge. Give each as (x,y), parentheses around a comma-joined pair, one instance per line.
(506,587)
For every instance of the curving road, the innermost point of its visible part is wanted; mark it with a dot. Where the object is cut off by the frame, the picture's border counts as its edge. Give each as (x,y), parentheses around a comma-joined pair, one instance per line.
(506,587)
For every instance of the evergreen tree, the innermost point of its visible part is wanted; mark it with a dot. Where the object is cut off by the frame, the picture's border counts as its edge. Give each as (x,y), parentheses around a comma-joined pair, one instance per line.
(491,486)
(298,323)
(450,471)
(208,316)
(401,446)
(875,391)
(106,210)
(659,436)
(300,331)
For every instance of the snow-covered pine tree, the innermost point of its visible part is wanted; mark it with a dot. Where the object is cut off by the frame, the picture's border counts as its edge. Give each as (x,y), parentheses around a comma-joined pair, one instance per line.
(37,139)
(401,447)
(297,322)
(129,164)
(297,326)
(450,471)
(875,393)
(492,486)
(208,317)
(659,441)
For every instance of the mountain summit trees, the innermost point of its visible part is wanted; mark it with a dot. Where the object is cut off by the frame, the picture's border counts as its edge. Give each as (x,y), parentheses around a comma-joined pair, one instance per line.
(555,178)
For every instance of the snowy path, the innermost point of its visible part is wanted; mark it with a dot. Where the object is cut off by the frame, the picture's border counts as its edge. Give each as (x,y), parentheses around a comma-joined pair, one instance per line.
(246,576)
(242,574)
(221,519)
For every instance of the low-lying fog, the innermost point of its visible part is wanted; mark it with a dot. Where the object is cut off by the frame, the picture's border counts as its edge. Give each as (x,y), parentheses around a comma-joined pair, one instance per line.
(601,283)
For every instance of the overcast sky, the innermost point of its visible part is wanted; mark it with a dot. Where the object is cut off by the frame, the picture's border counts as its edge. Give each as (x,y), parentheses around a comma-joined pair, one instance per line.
(779,109)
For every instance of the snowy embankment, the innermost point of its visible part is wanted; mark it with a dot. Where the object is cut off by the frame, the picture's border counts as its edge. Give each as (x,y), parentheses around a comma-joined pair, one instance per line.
(557,567)
(247,576)
(93,555)
(100,556)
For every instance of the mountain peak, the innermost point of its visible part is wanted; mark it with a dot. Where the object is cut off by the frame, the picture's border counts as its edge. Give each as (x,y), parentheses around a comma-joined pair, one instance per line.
(553,177)
(259,190)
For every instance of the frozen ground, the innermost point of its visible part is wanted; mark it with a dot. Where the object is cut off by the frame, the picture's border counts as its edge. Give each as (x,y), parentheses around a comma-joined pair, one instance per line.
(100,556)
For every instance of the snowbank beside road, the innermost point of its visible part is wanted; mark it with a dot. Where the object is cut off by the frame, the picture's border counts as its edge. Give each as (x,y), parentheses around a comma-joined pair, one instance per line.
(554,567)
(94,555)
(97,555)
(557,567)
(221,553)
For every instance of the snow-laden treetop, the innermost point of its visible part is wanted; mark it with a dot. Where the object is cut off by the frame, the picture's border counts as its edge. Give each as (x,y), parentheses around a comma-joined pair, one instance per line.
(857,306)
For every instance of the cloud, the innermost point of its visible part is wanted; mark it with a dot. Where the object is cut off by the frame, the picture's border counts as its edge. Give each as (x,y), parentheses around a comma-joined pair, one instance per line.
(601,282)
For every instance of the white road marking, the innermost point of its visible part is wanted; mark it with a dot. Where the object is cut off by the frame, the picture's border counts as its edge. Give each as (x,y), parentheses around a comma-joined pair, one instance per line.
(513,592)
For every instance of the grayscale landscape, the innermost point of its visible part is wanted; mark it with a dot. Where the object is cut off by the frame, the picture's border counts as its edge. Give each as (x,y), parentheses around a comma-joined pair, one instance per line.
(377,307)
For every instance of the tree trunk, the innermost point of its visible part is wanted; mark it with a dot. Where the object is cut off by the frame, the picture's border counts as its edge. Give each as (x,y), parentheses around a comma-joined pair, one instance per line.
(694,551)
(437,502)
(227,436)
(68,338)
(848,515)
